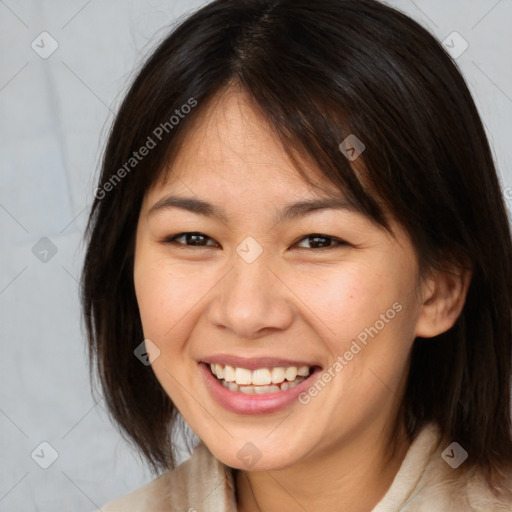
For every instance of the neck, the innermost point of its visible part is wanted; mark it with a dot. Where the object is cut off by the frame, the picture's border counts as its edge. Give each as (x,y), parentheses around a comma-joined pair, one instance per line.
(351,476)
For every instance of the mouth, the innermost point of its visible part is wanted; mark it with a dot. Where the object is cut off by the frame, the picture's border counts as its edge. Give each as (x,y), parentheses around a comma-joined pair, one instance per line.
(261,380)
(253,386)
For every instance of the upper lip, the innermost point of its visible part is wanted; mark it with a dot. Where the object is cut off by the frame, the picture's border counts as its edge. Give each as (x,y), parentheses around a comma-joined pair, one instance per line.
(253,363)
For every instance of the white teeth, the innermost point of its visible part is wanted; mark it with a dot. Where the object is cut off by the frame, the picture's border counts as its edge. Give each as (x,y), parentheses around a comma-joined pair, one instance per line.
(229,374)
(261,377)
(260,381)
(242,376)
(217,370)
(260,390)
(303,371)
(290,373)
(278,375)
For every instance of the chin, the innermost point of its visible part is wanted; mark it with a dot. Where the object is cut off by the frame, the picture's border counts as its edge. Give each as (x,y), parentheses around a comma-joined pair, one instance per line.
(258,454)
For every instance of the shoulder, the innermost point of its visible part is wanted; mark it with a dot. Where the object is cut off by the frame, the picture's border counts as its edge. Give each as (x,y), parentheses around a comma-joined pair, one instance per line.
(200,483)
(482,498)
(433,476)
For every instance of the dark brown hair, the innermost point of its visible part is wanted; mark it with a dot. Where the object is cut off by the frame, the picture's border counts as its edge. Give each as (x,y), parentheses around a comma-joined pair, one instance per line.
(320,70)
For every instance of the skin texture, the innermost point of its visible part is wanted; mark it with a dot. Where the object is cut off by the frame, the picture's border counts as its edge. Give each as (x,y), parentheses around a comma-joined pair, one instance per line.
(294,301)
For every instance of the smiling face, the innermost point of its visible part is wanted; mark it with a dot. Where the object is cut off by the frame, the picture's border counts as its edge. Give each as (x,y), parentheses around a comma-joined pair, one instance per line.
(252,288)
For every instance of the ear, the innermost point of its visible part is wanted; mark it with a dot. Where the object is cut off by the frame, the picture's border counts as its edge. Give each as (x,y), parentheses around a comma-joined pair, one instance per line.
(443,297)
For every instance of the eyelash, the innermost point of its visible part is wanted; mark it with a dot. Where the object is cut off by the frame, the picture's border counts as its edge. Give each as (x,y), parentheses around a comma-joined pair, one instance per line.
(172,240)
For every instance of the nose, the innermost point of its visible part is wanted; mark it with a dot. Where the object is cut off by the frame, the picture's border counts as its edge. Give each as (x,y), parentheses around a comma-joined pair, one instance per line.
(251,301)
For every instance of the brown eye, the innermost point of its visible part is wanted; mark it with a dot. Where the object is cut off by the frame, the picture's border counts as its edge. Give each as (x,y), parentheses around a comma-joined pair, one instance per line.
(190,240)
(319,241)
(195,239)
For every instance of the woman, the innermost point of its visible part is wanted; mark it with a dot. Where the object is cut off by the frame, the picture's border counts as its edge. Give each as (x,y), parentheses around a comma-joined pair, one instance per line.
(299,245)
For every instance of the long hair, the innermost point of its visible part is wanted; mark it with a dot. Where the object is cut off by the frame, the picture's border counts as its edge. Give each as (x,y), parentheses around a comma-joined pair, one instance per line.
(320,71)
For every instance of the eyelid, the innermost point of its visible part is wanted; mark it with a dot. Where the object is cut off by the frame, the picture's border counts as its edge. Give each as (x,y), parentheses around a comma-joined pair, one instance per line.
(172,240)
(338,242)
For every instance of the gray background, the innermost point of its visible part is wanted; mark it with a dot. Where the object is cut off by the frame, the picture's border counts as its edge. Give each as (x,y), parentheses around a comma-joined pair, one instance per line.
(54,114)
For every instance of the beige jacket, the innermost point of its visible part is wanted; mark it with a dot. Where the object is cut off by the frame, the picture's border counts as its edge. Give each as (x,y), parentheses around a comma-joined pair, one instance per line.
(424,483)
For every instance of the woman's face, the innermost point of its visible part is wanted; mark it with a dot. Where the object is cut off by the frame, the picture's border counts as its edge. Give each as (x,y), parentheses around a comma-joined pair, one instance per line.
(254,290)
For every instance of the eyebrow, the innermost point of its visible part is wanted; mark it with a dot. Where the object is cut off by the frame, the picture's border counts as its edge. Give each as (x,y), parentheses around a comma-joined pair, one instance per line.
(290,211)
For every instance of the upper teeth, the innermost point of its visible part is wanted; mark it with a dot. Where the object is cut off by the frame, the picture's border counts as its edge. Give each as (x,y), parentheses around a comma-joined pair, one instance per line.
(259,377)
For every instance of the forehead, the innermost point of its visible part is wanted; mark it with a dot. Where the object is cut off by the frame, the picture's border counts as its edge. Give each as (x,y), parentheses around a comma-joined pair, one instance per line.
(231,164)
(231,147)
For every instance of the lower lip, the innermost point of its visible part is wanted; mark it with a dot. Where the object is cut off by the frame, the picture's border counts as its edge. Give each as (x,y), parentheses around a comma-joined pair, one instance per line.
(241,403)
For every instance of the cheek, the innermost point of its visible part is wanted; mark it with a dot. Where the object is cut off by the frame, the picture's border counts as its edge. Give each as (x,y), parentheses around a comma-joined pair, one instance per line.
(364,316)
(345,300)
(166,297)
(166,293)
